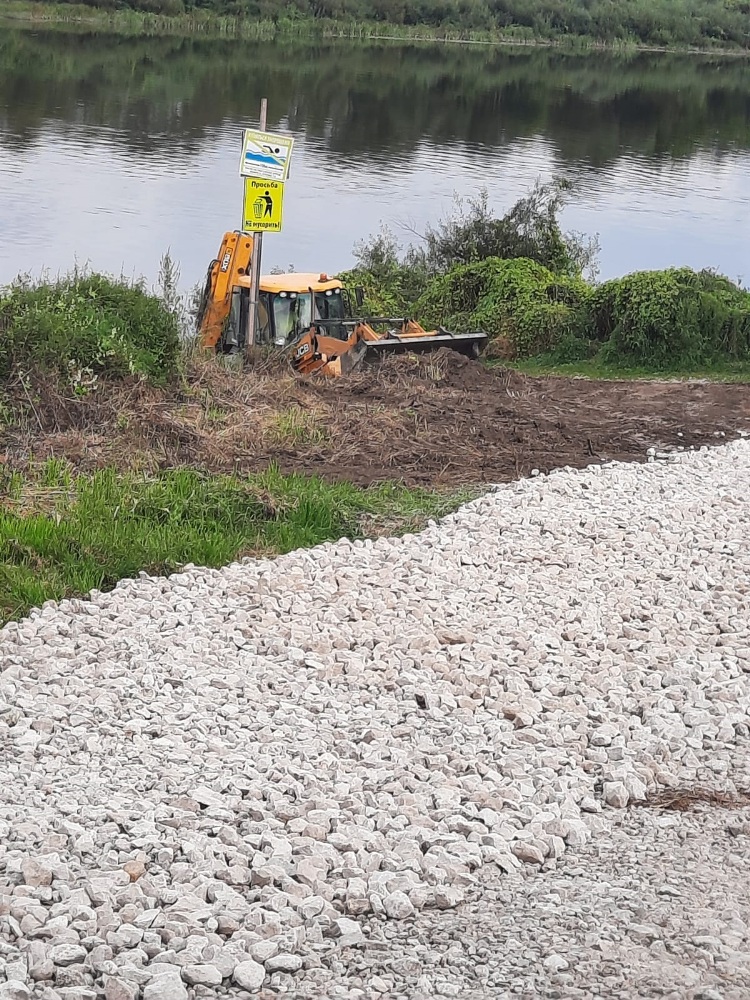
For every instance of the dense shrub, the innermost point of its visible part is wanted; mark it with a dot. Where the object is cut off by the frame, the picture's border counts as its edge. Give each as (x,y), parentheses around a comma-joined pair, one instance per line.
(672,317)
(530,229)
(395,278)
(522,305)
(86,325)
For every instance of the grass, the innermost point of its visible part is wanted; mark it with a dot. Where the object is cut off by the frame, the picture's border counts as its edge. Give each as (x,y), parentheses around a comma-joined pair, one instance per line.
(210,24)
(64,534)
(214,24)
(293,427)
(738,371)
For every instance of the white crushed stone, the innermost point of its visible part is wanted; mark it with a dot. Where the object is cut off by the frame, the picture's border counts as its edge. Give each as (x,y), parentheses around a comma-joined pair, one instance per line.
(229,780)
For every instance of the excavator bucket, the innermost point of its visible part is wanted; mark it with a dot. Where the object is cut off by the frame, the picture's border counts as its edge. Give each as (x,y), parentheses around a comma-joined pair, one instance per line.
(353,358)
(469,344)
(317,352)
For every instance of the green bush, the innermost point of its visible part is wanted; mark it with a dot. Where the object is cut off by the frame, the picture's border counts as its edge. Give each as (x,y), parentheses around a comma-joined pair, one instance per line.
(523,306)
(83,326)
(392,284)
(395,278)
(531,228)
(668,318)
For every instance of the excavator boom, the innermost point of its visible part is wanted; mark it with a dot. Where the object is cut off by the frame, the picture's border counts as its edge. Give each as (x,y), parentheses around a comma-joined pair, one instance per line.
(224,272)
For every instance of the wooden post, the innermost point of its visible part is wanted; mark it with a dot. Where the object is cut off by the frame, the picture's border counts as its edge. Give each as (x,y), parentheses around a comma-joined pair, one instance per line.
(255,262)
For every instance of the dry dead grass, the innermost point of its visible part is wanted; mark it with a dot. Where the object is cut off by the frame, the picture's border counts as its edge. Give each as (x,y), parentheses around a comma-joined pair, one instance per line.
(426,421)
(684,799)
(218,417)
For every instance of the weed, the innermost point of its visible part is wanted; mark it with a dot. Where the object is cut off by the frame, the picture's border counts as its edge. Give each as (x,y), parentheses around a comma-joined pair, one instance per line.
(295,426)
(214,415)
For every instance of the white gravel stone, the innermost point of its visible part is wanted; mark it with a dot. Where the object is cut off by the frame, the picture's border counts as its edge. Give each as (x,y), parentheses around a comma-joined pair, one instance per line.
(284,963)
(348,933)
(68,954)
(555,963)
(249,975)
(202,975)
(398,905)
(530,853)
(212,771)
(35,872)
(448,896)
(615,794)
(14,989)
(261,951)
(120,989)
(165,987)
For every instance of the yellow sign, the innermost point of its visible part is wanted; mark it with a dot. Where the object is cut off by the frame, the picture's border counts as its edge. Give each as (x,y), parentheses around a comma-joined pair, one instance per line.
(262,206)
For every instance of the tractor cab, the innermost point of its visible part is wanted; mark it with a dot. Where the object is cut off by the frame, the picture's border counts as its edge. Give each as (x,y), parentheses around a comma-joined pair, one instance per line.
(291,303)
(288,305)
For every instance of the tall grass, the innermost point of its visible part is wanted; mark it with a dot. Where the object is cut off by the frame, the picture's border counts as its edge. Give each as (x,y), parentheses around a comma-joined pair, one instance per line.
(700,25)
(63,534)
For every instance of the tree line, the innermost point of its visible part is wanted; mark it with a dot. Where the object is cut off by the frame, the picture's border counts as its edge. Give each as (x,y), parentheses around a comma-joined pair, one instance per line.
(686,23)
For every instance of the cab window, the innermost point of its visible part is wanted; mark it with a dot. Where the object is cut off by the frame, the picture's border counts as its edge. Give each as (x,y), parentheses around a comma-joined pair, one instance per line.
(329,304)
(291,312)
(263,321)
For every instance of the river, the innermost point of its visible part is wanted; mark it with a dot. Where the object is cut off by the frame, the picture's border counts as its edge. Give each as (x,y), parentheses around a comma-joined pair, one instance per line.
(115,149)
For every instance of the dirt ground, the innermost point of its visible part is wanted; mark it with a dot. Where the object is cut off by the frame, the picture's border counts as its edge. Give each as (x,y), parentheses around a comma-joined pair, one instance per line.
(435,421)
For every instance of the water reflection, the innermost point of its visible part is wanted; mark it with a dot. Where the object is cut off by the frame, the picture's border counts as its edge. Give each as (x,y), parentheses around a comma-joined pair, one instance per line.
(112,149)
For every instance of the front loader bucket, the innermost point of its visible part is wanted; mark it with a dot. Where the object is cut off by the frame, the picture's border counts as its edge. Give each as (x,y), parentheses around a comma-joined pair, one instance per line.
(352,358)
(469,344)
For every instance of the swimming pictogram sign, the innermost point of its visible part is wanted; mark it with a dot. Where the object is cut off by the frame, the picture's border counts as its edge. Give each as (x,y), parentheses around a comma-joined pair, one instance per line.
(263,206)
(265,155)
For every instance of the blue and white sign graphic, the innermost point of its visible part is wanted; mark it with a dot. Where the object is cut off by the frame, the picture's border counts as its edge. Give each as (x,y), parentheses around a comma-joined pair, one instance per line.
(265,155)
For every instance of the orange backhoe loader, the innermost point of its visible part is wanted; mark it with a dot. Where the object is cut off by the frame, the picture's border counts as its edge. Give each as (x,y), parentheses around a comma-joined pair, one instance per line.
(310,315)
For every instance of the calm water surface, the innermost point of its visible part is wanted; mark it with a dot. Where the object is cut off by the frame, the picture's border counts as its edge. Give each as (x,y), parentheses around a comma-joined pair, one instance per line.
(113,150)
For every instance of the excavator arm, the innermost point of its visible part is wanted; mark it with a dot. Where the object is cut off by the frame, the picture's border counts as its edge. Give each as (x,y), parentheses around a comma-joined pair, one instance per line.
(232,263)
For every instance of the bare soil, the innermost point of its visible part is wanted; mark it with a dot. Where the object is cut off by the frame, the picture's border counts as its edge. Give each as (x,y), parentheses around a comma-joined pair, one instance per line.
(439,421)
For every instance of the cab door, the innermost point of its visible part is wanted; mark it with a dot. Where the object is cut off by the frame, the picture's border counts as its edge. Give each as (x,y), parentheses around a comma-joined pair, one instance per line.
(235,331)
(264,324)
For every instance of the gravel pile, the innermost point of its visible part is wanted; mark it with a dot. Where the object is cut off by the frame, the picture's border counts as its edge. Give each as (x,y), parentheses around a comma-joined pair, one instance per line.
(233,781)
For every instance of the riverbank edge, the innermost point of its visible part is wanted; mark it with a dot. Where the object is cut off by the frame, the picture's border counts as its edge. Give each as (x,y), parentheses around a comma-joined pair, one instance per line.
(212,26)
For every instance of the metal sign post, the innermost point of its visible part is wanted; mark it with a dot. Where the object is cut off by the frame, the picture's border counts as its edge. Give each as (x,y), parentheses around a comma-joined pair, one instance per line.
(255,263)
